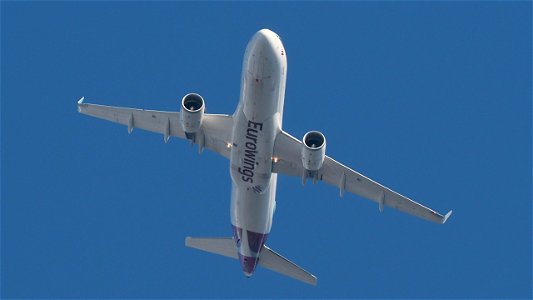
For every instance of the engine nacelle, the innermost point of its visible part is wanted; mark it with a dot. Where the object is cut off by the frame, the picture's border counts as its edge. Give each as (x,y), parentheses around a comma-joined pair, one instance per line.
(313,150)
(192,113)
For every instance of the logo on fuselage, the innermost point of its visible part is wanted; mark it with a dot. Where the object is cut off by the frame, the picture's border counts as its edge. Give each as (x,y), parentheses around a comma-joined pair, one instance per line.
(250,152)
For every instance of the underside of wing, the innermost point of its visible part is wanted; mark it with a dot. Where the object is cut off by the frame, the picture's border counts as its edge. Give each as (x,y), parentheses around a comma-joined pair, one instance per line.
(214,133)
(288,161)
(339,175)
(151,120)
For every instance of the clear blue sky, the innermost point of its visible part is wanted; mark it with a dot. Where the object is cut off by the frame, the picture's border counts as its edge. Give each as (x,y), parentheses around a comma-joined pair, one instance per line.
(430,99)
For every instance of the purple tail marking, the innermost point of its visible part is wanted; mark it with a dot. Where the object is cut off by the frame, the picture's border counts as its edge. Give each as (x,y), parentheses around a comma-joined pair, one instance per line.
(255,243)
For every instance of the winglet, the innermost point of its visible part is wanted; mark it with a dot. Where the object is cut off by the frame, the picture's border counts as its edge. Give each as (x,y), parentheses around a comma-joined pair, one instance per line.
(81,100)
(447,216)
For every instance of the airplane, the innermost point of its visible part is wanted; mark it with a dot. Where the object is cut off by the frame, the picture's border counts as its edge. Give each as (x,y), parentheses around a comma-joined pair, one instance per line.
(258,150)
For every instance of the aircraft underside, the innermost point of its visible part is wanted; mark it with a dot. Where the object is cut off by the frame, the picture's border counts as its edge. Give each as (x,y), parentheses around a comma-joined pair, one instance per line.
(258,149)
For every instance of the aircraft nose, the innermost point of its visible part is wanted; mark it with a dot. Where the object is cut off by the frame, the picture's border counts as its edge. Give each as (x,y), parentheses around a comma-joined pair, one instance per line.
(265,32)
(262,53)
(265,36)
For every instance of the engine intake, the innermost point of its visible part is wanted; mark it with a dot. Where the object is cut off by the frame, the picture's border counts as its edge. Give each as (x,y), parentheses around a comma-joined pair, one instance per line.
(192,113)
(313,150)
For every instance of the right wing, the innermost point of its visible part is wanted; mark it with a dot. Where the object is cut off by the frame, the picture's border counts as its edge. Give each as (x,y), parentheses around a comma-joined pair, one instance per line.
(287,153)
(215,133)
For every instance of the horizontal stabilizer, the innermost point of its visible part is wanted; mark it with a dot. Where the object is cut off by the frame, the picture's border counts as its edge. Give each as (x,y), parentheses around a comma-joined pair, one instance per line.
(221,246)
(267,257)
(277,263)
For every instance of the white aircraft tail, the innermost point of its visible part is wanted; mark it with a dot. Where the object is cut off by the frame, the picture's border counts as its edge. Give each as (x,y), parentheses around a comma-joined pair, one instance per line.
(220,246)
(267,257)
(277,263)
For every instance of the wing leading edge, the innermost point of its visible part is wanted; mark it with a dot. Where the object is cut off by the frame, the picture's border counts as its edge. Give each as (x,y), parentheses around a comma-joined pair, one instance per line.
(287,151)
(215,133)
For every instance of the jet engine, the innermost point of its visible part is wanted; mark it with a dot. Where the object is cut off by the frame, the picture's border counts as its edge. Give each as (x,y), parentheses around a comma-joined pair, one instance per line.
(192,113)
(313,151)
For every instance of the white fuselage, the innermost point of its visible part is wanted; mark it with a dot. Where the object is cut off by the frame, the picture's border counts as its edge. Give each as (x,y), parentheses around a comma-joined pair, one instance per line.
(257,121)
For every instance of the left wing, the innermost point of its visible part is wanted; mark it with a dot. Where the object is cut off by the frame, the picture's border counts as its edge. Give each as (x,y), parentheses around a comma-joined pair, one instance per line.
(215,133)
(287,160)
